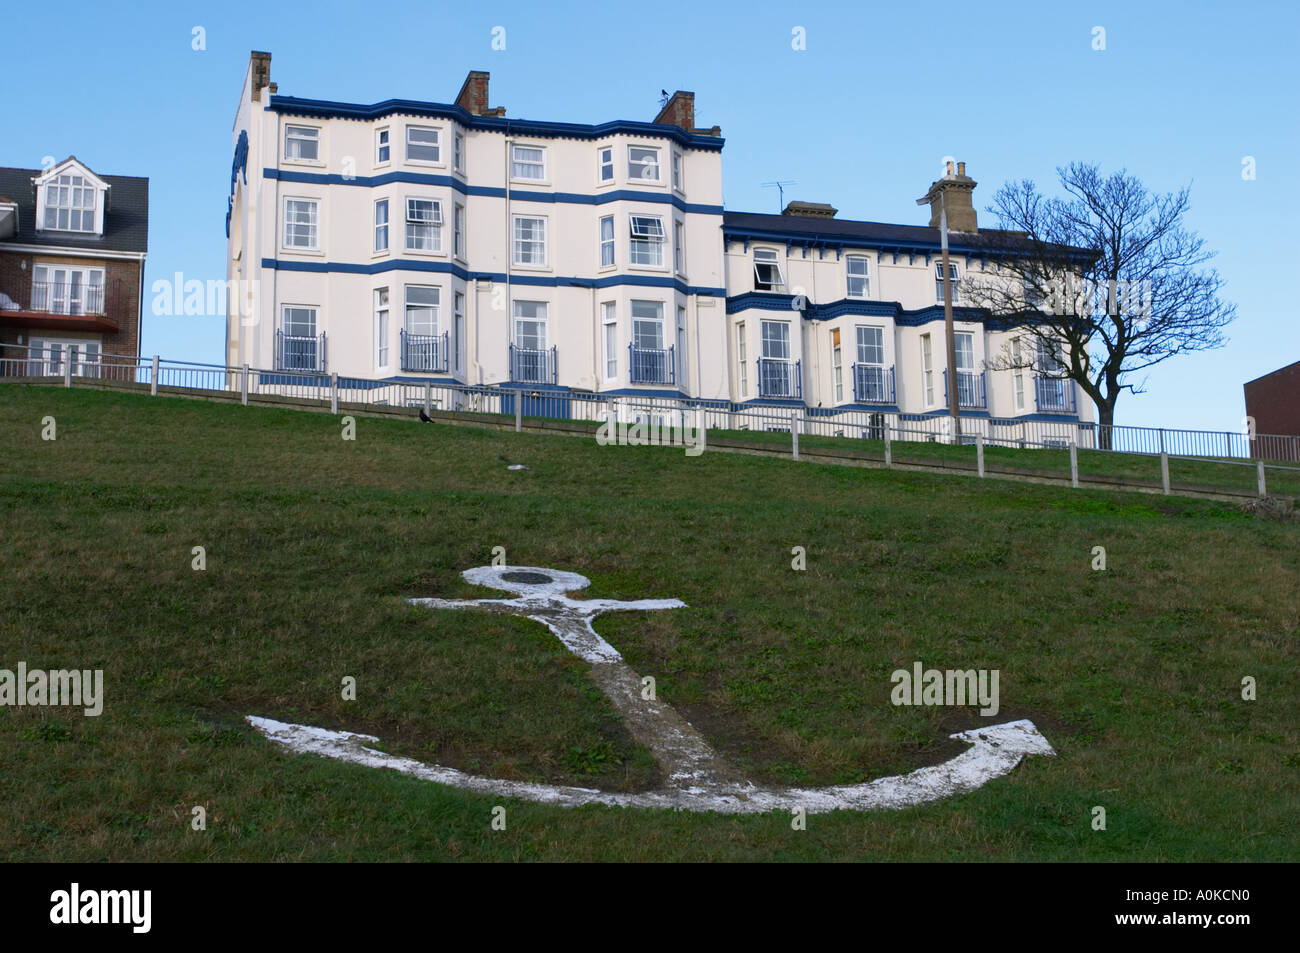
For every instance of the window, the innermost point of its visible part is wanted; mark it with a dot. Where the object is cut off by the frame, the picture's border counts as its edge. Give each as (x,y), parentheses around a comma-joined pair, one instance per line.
(679,247)
(647,240)
(776,340)
(871,346)
(938,281)
(1049,358)
(927,369)
(859,284)
(530,240)
(381,328)
(423,144)
(605,164)
(70,204)
(458,231)
(1017,374)
(648,325)
(767,273)
(741,379)
(63,289)
(381,225)
(527,162)
(382,148)
(300,222)
(302,142)
(458,152)
(423,225)
(643,163)
(677,171)
(610,328)
(681,345)
(530,325)
(458,328)
(299,321)
(837,366)
(422,309)
(607,241)
(964,345)
(45,357)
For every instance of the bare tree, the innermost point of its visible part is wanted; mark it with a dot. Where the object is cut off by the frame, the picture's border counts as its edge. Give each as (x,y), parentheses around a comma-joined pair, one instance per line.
(1102,283)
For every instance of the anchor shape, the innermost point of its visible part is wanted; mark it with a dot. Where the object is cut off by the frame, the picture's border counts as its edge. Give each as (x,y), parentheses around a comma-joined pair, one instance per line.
(698,778)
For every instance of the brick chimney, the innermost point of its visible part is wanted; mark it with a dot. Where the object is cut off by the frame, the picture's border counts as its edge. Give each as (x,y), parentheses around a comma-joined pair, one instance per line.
(810,209)
(955,187)
(473,95)
(259,66)
(680,111)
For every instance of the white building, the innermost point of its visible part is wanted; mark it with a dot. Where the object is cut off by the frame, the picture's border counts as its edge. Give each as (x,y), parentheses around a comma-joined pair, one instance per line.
(412,241)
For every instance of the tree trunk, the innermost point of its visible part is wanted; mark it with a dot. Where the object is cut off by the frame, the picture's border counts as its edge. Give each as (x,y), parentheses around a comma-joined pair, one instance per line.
(1105,422)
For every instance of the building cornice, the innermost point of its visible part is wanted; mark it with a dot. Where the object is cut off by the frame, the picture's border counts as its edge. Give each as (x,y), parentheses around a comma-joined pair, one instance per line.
(73,251)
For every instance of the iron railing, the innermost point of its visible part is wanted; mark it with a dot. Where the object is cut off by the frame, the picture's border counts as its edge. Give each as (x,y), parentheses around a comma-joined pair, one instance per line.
(651,365)
(532,365)
(873,384)
(970,390)
(780,379)
(1054,395)
(300,352)
(425,352)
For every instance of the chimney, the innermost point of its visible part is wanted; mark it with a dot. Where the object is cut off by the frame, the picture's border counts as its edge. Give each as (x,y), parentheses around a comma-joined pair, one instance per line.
(810,209)
(259,68)
(473,95)
(956,188)
(680,111)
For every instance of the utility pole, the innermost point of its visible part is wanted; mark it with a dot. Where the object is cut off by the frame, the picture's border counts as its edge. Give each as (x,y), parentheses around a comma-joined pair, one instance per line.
(950,338)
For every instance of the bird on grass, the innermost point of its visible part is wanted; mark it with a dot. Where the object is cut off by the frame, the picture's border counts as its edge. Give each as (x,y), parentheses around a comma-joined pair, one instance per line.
(512,466)
(425,418)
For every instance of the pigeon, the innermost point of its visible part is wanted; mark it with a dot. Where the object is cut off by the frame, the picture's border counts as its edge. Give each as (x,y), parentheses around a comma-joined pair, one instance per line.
(512,466)
(425,418)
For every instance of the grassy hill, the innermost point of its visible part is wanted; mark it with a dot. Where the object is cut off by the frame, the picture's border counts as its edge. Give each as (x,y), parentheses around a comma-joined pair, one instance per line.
(314,543)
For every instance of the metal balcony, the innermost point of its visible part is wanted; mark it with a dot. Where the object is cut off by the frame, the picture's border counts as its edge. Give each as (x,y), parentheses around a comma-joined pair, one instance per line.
(532,365)
(779,378)
(873,384)
(299,352)
(427,353)
(652,365)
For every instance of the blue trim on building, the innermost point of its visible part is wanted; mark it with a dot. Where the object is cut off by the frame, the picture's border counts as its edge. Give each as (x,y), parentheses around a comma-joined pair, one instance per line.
(893,310)
(490,191)
(326,109)
(857,408)
(446,267)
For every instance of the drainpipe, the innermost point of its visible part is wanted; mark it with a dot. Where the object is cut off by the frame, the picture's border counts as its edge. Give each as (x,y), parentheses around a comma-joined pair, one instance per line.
(509,255)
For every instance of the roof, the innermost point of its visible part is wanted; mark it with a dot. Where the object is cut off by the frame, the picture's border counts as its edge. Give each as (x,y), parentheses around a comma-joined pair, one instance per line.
(847,233)
(126,221)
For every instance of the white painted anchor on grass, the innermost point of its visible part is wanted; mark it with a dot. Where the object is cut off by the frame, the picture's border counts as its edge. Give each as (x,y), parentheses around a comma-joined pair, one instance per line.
(698,778)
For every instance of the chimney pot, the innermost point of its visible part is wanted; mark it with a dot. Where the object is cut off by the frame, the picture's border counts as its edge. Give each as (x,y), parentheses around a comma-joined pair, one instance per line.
(961,168)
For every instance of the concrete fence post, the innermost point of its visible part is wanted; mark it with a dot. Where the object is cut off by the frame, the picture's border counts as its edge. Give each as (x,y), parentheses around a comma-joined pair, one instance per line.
(699,422)
(1164,471)
(428,397)
(1074,464)
(67,371)
(334,392)
(889,446)
(153,378)
(243,387)
(794,433)
(979,454)
(1260,471)
(519,411)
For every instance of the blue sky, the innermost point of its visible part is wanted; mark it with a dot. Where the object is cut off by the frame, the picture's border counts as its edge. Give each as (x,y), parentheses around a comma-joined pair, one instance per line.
(860,118)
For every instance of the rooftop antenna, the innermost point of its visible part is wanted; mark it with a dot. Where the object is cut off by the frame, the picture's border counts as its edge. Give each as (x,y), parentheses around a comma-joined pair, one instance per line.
(779,185)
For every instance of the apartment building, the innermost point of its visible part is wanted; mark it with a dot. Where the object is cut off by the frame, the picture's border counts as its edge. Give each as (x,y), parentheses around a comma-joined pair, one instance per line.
(448,242)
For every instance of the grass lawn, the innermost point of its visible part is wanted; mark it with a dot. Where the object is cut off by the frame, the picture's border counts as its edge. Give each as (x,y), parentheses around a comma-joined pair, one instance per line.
(314,543)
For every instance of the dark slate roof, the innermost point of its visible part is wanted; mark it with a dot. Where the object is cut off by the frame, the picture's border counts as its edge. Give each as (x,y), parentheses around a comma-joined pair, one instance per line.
(844,232)
(126,223)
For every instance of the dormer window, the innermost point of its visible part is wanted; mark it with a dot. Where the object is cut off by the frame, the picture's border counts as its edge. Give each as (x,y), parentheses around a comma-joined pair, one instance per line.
(70,204)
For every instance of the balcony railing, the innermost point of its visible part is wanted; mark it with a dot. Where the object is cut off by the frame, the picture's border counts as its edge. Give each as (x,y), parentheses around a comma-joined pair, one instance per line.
(779,378)
(873,384)
(532,365)
(1054,395)
(970,390)
(66,297)
(299,352)
(652,365)
(425,352)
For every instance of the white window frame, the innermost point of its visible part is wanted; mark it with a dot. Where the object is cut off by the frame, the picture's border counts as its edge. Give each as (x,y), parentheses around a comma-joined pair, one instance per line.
(83,364)
(421,306)
(864,348)
(927,369)
(383,140)
(382,229)
(633,164)
(73,299)
(678,180)
(864,277)
(436,145)
(517,243)
(55,187)
(516,164)
(1017,373)
(383,314)
(609,338)
(315,138)
(648,235)
(679,246)
(313,224)
(742,373)
(458,153)
(954,274)
(957,351)
(837,369)
(782,339)
(434,223)
(602,164)
(315,320)
(458,231)
(771,258)
(607,242)
(457,327)
(655,319)
(541,317)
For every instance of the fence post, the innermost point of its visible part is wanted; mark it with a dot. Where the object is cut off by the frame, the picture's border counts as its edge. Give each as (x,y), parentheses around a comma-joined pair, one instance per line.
(1262,492)
(889,456)
(243,387)
(519,411)
(979,453)
(1162,440)
(1164,471)
(1074,464)
(334,392)
(428,397)
(67,371)
(699,424)
(153,378)
(794,433)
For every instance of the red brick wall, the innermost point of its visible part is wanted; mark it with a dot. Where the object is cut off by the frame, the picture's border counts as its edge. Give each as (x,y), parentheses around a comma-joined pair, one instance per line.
(1274,401)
